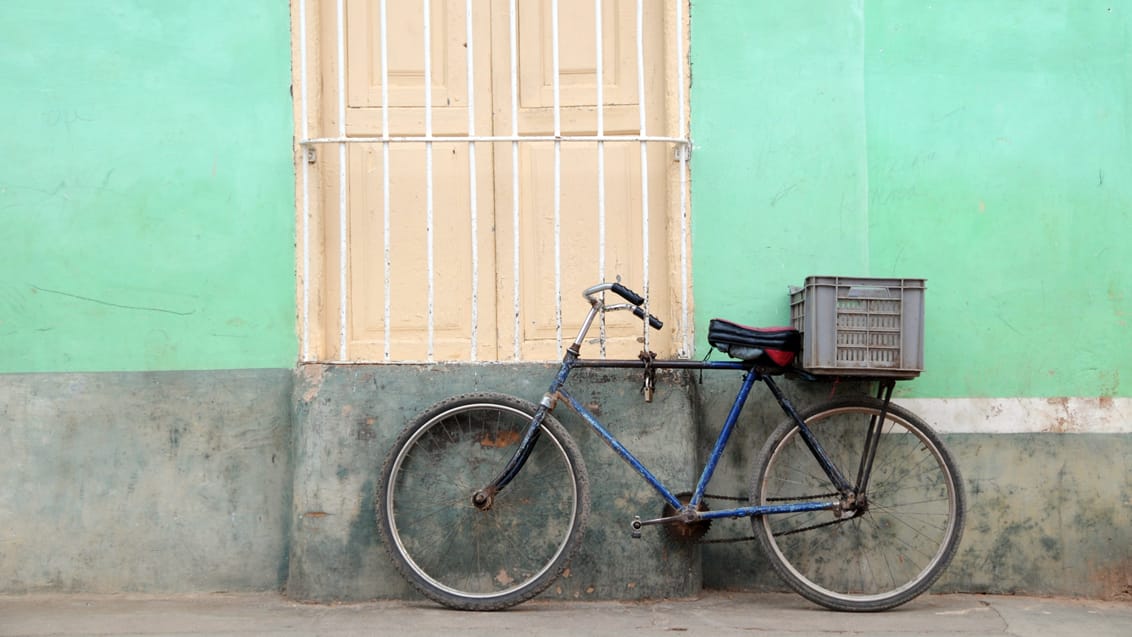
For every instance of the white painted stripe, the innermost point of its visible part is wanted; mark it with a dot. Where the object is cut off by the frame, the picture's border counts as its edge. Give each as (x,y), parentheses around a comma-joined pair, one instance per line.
(343,263)
(305,337)
(428,173)
(515,181)
(557,180)
(387,267)
(472,183)
(1024,415)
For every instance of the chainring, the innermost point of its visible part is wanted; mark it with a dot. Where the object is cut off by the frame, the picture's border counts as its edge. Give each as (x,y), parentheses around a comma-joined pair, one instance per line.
(684,531)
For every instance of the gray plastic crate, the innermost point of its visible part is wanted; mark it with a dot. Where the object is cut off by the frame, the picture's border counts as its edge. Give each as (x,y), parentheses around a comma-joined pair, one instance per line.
(854,326)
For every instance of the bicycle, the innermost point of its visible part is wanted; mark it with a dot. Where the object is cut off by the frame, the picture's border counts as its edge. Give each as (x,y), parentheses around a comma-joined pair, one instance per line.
(484,497)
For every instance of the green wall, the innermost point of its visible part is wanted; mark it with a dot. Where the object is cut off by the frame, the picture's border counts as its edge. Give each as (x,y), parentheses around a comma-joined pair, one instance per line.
(984,146)
(779,182)
(147,188)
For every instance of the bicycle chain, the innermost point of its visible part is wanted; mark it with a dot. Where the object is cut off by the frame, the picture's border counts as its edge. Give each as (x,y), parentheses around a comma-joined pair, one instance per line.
(728,540)
(731,540)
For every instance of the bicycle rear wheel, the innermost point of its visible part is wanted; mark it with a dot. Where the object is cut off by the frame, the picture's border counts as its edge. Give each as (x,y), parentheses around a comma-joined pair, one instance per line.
(895,543)
(470,557)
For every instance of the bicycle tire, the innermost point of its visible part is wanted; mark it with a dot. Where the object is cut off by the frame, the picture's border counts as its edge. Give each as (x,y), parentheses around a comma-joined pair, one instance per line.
(898,546)
(462,556)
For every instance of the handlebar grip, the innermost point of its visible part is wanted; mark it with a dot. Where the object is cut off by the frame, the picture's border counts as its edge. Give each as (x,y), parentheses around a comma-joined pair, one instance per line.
(627,294)
(654,322)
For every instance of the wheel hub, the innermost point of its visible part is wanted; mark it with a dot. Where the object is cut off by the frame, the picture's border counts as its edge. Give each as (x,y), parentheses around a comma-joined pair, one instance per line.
(852,506)
(483,499)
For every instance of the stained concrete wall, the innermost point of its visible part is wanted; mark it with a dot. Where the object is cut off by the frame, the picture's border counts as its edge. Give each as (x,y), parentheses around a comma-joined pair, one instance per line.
(264,479)
(157,482)
(1047,514)
(346,417)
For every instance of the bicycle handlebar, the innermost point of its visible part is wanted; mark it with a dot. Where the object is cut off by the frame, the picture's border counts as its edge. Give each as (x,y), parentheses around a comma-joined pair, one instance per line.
(632,297)
(654,322)
(627,294)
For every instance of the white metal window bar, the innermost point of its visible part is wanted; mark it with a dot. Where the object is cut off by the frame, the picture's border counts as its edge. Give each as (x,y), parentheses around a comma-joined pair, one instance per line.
(513,58)
(682,144)
(600,83)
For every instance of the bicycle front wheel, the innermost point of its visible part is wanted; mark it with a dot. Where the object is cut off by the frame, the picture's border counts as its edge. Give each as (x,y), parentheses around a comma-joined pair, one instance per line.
(894,542)
(481,558)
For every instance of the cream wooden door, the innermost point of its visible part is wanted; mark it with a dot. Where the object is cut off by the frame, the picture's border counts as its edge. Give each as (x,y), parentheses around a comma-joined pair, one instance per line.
(579,254)
(422,252)
(438,244)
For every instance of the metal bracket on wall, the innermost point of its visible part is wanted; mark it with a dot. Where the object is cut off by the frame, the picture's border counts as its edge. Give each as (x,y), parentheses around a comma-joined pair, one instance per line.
(682,152)
(312,155)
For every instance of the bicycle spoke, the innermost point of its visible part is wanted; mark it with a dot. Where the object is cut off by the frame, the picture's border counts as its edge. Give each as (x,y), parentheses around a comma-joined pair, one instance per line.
(907,527)
(810,528)
(481,558)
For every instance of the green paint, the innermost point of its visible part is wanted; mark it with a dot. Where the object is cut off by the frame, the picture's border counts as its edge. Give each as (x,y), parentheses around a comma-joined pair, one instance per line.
(148,192)
(999,160)
(984,146)
(779,181)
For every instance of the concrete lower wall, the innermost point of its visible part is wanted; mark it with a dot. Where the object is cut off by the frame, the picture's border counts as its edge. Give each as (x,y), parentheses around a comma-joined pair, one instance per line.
(150,482)
(258,480)
(1047,513)
(347,416)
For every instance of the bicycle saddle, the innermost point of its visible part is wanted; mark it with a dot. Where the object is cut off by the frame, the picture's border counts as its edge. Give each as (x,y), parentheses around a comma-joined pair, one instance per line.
(770,345)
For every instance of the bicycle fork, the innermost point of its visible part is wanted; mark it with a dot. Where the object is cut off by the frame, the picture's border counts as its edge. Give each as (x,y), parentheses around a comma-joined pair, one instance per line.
(484,498)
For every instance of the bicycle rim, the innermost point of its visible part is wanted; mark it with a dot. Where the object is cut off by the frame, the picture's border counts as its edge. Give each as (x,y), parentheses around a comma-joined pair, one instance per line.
(877,558)
(463,556)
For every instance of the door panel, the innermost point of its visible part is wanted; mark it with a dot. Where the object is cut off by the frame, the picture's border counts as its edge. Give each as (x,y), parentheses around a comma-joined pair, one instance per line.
(451,241)
(579,198)
(473,273)
(456,298)
(577,54)
(579,254)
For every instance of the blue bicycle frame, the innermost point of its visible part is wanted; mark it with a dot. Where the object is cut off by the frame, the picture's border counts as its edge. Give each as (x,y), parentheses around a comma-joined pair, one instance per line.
(688,511)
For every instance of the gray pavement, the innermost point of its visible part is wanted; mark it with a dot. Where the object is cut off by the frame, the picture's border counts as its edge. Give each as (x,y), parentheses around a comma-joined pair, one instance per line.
(712,613)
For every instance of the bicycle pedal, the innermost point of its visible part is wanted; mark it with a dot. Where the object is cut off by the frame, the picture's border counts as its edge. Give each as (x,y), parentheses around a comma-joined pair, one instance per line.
(636,526)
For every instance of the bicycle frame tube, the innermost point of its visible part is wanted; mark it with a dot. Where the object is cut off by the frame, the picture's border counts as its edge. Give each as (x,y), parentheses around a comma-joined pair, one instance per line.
(815,447)
(872,439)
(557,391)
(620,449)
(724,434)
(717,452)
